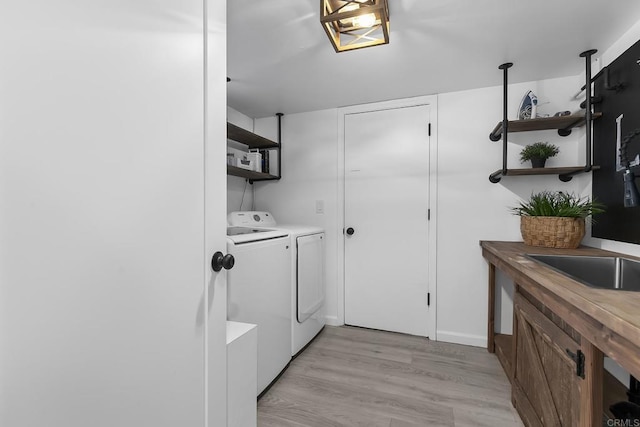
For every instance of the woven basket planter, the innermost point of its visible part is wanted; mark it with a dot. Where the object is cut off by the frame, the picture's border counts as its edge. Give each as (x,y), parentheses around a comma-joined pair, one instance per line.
(552,231)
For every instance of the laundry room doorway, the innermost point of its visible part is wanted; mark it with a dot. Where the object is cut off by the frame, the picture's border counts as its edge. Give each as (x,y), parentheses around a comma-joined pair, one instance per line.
(389,283)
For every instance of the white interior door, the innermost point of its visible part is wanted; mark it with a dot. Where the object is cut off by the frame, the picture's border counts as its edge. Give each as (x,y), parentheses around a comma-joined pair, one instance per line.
(386,206)
(104,287)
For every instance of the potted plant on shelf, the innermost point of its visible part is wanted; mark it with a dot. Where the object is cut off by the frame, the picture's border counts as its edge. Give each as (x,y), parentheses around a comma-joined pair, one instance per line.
(538,153)
(555,219)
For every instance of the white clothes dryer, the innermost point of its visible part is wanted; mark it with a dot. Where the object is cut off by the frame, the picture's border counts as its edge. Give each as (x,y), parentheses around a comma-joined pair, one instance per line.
(308,276)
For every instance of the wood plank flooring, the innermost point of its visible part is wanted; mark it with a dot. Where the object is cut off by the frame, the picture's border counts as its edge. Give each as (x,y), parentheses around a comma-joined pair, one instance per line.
(359,377)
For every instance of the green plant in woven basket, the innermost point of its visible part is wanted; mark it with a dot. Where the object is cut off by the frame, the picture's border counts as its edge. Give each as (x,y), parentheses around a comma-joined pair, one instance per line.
(558,203)
(538,153)
(555,219)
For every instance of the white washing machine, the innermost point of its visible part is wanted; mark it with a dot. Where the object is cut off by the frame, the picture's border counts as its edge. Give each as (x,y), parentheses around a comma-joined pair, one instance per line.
(259,292)
(307,274)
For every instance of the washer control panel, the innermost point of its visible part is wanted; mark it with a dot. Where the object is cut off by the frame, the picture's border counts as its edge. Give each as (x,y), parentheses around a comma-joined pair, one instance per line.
(250,219)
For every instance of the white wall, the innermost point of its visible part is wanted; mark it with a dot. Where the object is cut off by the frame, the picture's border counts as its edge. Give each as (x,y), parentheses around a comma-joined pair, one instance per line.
(309,174)
(470,208)
(455,145)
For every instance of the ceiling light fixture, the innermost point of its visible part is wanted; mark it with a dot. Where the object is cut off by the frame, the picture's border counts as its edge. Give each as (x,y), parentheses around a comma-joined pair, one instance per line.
(354,24)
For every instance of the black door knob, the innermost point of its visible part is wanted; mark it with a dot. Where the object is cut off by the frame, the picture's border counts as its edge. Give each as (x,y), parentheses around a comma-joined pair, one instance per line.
(350,231)
(220,261)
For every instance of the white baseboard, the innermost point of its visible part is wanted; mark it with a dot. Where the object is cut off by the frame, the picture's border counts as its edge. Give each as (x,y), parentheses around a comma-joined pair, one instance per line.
(333,321)
(444,336)
(458,338)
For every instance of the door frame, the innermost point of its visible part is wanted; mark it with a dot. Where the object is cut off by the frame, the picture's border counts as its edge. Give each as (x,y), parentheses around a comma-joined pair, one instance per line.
(432,102)
(214,307)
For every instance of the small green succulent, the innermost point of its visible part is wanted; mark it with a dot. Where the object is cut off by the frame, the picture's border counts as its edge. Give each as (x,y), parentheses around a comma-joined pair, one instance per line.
(538,150)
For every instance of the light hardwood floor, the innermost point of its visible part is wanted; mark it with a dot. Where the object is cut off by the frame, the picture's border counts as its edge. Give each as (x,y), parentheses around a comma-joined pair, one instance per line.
(359,377)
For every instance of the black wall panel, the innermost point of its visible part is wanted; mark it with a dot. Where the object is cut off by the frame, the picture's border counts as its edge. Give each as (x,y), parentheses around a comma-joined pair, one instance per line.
(617,223)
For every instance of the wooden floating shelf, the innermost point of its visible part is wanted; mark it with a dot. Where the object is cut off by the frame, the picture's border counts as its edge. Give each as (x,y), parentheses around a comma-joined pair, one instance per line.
(563,124)
(543,123)
(545,171)
(249,138)
(565,174)
(250,175)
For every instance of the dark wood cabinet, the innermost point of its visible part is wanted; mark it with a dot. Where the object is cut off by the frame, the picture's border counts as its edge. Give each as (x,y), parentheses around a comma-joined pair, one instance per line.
(546,385)
(554,313)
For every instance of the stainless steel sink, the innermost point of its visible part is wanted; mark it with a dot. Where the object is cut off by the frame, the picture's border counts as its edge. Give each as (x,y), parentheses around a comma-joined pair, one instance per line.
(595,271)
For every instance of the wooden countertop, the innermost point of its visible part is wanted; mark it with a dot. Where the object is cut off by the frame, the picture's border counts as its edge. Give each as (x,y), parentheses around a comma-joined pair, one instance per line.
(610,319)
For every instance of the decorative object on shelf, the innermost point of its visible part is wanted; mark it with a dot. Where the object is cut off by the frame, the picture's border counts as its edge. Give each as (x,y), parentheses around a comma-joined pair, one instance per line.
(355,24)
(265,160)
(256,160)
(555,219)
(528,106)
(538,153)
(244,164)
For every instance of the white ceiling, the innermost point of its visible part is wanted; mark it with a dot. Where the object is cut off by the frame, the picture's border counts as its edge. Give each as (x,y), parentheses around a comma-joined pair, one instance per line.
(280,60)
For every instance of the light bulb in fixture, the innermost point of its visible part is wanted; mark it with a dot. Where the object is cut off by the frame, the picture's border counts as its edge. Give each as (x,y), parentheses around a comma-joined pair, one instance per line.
(349,8)
(365,21)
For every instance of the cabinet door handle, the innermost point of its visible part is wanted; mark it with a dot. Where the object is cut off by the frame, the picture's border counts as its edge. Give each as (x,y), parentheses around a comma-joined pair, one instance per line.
(577,357)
